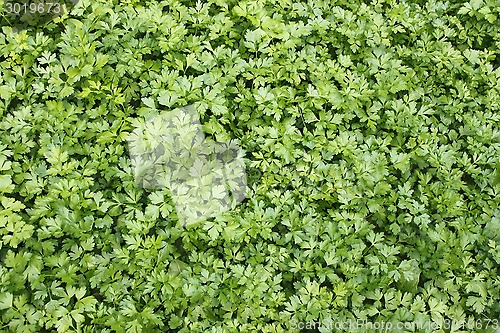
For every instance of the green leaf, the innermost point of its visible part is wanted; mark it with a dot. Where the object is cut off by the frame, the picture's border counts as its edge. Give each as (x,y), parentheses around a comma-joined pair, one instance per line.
(6,185)
(6,300)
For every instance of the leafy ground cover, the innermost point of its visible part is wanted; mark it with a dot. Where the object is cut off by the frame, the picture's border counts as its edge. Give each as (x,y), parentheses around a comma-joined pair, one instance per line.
(371,132)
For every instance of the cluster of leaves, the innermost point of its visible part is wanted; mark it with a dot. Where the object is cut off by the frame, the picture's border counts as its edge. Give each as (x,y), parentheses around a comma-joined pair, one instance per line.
(372,139)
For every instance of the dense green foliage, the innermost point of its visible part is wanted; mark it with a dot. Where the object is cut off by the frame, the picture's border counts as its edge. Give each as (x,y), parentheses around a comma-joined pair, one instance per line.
(371,133)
